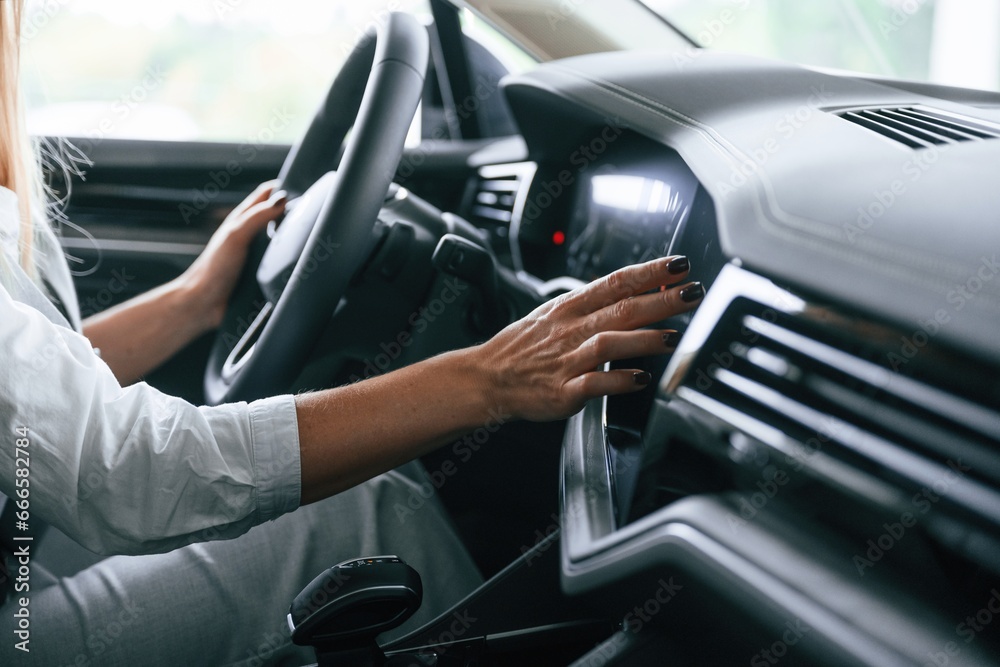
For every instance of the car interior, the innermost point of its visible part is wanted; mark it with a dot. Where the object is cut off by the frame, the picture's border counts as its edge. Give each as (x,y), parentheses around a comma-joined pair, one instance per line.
(813,477)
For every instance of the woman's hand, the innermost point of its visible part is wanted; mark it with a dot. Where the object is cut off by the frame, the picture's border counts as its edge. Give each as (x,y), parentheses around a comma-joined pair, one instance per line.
(137,336)
(212,277)
(545,366)
(541,368)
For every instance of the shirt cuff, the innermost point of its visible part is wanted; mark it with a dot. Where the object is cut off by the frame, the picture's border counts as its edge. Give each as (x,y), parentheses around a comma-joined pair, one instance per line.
(274,435)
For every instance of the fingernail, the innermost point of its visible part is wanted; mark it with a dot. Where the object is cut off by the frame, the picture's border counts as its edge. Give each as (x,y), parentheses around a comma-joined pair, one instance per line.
(277,198)
(671,338)
(642,378)
(678,265)
(692,293)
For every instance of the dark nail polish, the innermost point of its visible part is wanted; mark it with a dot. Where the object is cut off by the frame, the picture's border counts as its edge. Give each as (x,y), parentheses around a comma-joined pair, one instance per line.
(692,293)
(671,338)
(642,378)
(678,265)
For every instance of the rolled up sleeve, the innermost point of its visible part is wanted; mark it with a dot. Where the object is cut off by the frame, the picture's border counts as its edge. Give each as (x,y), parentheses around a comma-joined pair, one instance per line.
(130,469)
(276,456)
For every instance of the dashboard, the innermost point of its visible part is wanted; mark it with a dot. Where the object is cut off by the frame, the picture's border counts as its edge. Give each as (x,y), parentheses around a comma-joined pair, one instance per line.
(843,363)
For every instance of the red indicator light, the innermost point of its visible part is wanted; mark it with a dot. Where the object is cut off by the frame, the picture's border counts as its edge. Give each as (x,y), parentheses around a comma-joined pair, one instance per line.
(559,238)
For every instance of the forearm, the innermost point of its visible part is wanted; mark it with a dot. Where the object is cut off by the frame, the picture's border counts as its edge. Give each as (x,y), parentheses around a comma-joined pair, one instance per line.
(141,334)
(542,367)
(137,336)
(352,433)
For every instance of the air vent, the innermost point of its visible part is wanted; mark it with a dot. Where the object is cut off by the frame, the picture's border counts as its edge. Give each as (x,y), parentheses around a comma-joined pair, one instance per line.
(871,414)
(922,127)
(495,199)
(495,195)
(787,384)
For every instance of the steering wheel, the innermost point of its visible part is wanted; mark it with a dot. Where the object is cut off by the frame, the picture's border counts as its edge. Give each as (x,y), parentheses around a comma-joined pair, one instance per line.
(326,235)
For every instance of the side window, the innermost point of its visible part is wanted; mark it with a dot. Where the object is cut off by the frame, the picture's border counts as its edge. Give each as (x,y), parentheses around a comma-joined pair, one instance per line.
(490,56)
(188,70)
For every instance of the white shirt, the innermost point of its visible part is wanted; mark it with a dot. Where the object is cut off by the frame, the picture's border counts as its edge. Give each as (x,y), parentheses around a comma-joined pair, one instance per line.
(125,470)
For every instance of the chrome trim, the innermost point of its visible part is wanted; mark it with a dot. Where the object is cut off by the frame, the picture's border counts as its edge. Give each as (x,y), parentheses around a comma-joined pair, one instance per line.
(524,172)
(246,345)
(587,508)
(733,282)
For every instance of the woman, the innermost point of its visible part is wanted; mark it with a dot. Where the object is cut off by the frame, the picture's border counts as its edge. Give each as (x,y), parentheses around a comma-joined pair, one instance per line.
(122,469)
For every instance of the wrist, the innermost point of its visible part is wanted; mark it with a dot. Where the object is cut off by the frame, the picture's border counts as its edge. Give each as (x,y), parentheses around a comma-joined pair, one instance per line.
(195,302)
(479,382)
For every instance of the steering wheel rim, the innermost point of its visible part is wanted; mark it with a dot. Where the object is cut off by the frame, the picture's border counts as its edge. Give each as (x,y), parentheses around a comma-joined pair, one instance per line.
(376,92)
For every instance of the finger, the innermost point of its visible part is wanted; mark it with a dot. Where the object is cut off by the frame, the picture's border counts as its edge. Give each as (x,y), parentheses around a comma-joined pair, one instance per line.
(630,281)
(257,217)
(261,193)
(605,383)
(646,309)
(616,345)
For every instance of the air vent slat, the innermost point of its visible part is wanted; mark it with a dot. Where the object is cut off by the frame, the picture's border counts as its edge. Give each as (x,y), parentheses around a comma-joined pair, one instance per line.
(499,185)
(913,427)
(920,126)
(985,422)
(956,131)
(981,499)
(886,131)
(941,130)
(492,214)
(495,193)
(885,118)
(964,123)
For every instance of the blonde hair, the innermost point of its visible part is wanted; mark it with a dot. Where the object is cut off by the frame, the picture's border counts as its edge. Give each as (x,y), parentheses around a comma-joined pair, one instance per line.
(18,166)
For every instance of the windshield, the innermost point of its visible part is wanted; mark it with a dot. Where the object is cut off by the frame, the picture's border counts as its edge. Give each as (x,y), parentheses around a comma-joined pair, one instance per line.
(954,42)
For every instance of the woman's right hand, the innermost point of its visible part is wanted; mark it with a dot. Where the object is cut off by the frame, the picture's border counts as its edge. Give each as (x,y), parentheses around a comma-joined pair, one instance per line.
(544,366)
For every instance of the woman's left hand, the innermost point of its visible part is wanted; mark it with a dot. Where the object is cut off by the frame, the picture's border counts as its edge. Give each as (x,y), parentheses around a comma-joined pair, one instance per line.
(213,275)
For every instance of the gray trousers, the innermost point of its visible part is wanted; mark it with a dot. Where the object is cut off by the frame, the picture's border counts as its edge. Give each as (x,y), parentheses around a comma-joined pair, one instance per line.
(224,603)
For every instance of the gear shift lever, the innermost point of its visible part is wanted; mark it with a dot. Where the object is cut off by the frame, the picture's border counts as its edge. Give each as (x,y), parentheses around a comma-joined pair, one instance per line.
(340,612)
